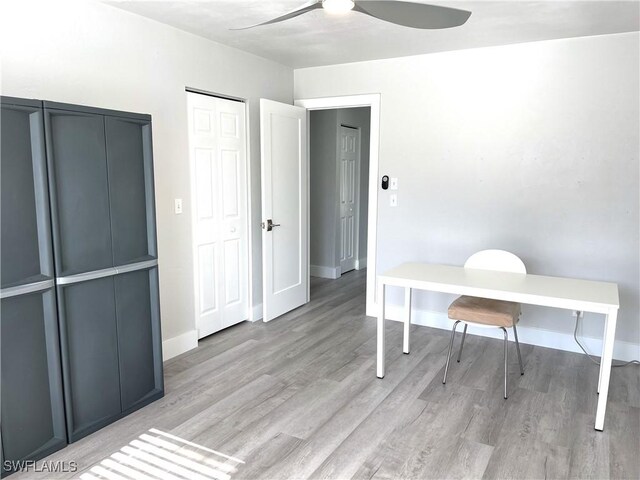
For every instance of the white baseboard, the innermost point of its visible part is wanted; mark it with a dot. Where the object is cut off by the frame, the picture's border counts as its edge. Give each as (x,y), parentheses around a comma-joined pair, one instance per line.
(324,272)
(624,351)
(256,313)
(172,347)
(362,263)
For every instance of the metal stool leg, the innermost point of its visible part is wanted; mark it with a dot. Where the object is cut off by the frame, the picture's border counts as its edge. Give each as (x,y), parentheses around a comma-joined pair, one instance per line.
(453,336)
(464,334)
(515,334)
(506,343)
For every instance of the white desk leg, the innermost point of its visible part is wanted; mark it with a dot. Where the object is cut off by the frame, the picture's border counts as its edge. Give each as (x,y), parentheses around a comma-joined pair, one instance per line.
(380,372)
(407,319)
(605,372)
(604,337)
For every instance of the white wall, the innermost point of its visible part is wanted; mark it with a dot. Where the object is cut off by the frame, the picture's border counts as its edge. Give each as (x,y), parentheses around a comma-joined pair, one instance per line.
(531,148)
(90,53)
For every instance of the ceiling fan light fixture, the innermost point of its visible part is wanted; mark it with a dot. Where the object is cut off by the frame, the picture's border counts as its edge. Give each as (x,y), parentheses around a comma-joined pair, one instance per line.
(407,13)
(337,6)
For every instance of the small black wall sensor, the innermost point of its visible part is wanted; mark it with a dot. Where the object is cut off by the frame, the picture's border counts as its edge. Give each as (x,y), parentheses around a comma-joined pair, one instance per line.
(385,182)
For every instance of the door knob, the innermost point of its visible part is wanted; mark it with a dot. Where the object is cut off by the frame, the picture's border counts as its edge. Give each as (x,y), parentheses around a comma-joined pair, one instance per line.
(269,225)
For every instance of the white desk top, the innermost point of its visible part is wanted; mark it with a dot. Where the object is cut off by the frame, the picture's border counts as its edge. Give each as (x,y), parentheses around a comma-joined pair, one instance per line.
(572,294)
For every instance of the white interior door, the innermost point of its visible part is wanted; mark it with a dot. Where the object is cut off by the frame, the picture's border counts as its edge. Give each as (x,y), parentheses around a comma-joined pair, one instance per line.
(217,151)
(283,144)
(349,170)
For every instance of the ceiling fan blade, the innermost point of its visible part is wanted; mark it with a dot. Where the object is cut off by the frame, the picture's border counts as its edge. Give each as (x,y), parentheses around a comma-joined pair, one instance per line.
(307,7)
(409,14)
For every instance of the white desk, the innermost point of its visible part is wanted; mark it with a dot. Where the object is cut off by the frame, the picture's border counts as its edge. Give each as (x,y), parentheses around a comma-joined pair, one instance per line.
(566,293)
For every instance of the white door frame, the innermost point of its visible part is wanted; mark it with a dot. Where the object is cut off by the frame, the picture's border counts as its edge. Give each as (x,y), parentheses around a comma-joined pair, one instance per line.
(352,101)
(250,235)
(255,311)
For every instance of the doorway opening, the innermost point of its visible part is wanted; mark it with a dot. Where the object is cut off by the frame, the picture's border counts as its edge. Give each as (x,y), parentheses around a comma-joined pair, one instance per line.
(372,101)
(339,142)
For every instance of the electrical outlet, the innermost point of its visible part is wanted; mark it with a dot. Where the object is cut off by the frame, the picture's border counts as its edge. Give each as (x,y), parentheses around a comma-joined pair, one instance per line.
(177,206)
(574,313)
(393,185)
(393,200)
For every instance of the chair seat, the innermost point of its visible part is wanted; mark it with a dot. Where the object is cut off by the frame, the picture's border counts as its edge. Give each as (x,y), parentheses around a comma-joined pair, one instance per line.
(485,311)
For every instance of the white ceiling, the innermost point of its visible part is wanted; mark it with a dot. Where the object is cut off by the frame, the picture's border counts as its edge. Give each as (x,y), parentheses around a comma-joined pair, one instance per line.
(317,38)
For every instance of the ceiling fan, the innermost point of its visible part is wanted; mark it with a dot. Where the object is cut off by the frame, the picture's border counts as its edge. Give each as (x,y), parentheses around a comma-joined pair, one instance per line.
(405,13)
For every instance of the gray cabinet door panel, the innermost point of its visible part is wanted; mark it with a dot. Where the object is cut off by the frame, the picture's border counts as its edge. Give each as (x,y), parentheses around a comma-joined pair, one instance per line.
(89,339)
(32,406)
(131,197)
(26,233)
(78,180)
(138,337)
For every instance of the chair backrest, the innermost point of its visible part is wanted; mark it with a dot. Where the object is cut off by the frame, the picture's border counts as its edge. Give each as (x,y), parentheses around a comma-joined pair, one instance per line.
(499,260)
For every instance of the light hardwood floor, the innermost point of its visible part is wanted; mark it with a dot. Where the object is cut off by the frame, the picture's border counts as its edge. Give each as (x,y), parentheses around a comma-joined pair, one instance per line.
(298,398)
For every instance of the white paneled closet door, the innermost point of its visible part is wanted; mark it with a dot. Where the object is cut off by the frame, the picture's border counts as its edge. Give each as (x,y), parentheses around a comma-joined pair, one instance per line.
(217,150)
(349,170)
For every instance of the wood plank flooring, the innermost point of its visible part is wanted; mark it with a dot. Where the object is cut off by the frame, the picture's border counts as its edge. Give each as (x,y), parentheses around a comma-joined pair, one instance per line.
(298,398)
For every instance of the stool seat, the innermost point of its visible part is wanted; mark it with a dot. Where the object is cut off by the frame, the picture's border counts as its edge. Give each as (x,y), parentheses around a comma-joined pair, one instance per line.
(486,311)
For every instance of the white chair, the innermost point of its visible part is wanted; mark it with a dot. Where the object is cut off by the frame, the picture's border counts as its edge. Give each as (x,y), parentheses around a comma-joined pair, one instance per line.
(486,312)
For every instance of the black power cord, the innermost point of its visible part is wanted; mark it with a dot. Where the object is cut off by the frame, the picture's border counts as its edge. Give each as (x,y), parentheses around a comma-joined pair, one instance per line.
(591,357)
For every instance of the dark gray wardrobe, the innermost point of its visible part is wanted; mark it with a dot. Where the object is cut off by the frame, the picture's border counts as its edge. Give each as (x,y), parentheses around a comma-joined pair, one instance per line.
(104,239)
(33,423)
(96,180)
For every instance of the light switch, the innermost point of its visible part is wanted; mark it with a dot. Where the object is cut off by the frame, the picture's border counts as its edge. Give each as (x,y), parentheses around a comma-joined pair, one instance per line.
(177,206)
(394,183)
(393,200)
